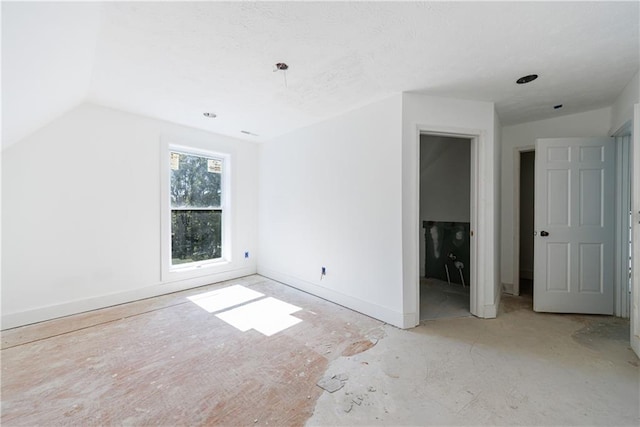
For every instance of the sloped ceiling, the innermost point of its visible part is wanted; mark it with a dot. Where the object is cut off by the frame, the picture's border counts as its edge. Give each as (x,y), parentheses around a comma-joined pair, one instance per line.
(176,60)
(47,60)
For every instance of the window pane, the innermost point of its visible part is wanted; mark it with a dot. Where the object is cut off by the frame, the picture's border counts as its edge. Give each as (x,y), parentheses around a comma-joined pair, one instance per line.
(195,236)
(195,181)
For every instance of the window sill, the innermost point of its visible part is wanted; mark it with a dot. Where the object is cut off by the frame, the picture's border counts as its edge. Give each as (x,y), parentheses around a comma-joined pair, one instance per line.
(191,271)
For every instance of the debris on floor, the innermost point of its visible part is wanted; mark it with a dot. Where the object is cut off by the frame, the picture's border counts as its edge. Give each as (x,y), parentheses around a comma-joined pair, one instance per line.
(358,400)
(421,376)
(333,383)
(341,377)
(330,384)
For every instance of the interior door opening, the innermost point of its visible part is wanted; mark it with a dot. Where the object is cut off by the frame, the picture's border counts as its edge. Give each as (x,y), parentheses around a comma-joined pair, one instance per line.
(527,199)
(445,219)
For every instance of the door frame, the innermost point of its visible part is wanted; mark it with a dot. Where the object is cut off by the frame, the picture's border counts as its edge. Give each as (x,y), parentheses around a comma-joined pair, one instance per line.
(618,227)
(517,152)
(623,198)
(474,141)
(635,207)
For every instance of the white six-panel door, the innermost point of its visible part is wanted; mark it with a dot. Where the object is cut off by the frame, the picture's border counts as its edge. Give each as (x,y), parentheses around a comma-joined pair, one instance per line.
(574,223)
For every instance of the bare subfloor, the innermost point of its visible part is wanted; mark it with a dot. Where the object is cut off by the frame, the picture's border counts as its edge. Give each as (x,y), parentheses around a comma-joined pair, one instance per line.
(167,361)
(439,299)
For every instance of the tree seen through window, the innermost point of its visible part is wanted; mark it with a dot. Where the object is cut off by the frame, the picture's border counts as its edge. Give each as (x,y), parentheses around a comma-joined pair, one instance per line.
(196,208)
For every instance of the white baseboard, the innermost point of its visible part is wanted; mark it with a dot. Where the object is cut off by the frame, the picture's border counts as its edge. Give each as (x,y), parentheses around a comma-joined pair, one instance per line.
(21,318)
(410,320)
(378,312)
(508,288)
(491,311)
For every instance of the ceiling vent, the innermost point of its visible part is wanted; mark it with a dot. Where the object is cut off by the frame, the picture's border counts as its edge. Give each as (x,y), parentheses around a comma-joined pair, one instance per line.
(527,79)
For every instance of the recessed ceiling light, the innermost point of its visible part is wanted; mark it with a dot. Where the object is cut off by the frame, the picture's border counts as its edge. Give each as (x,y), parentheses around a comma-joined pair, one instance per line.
(527,79)
(210,115)
(556,107)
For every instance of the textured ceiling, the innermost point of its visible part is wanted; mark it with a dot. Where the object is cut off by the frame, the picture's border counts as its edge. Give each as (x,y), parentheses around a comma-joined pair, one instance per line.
(175,60)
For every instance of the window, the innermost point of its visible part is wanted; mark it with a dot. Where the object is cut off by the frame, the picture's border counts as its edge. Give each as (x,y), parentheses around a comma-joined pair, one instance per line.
(197,208)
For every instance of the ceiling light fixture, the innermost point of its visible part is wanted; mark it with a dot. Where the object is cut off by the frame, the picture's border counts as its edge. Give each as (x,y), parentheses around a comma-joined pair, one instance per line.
(210,115)
(556,107)
(281,66)
(527,79)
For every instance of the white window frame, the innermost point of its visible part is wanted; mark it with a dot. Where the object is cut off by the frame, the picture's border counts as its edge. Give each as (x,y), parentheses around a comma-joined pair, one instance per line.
(169,272)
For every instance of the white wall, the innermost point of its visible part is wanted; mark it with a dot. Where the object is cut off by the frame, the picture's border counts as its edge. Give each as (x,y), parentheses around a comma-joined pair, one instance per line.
(420,112)
(517,137)
(344,194)
(444,182)
(444,178)
(622,108)
(81,219)
(330,196)
(496,204)
(44,77)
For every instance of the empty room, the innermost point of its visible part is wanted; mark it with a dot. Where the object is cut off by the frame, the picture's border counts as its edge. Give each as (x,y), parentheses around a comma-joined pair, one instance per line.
(320,213)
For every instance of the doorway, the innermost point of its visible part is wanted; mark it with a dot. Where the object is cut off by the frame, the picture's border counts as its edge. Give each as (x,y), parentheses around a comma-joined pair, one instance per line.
(527,191)
(445,219)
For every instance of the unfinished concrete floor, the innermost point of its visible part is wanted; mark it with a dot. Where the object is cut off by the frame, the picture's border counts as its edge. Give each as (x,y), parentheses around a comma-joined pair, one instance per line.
(522,368)
(167,361)
(440,300)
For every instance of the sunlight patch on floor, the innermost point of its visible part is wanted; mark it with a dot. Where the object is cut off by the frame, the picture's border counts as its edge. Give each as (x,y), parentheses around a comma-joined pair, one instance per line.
(267,315)
(221,299)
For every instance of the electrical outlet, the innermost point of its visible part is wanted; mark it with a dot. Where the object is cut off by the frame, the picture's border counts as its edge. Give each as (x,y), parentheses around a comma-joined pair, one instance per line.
(246,254)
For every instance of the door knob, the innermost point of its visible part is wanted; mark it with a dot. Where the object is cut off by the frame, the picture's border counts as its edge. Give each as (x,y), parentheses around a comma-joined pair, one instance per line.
(544,233)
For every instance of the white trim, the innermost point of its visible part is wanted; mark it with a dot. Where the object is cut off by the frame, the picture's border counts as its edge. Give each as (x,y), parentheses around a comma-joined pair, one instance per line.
(623,204)
(477,288)
(517,153)
(376,311)
(205,268)
(491,311)
(635,202)
(21,318)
